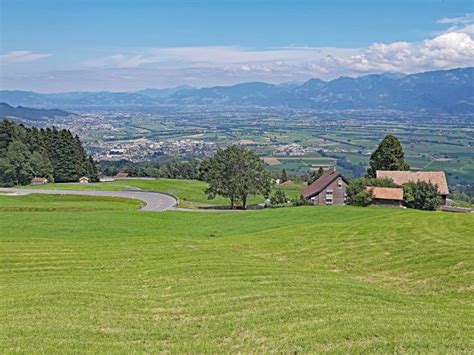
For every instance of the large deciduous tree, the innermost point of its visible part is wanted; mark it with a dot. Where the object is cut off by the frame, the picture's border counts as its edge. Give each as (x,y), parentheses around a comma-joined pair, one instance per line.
(388,156)
(237,173)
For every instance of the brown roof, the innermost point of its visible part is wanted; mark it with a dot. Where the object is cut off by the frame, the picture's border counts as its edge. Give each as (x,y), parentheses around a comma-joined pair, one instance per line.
(403,177)
(121,175)
(386,193)
(319,185)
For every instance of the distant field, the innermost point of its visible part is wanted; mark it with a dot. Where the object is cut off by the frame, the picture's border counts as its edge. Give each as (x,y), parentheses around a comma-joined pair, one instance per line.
(271,161)
(188,191)
(86,274)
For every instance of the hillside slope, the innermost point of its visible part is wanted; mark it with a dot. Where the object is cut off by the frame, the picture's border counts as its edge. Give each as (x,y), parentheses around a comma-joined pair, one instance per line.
(95,276)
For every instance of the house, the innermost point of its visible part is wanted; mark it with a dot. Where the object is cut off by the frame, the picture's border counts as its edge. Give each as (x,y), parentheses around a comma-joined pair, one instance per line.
(329,189)
(39,181)
(84,180)
(386,196)
(121,176)
(404,177)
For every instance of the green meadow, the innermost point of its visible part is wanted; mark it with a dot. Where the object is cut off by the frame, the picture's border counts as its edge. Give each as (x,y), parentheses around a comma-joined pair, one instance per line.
(189,192)
(88,274)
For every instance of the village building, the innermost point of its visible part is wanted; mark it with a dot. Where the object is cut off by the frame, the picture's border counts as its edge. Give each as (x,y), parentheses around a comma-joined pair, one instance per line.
(84,180)
(329,189)
(404,177)
(386,196)
(39,181)
(121,176)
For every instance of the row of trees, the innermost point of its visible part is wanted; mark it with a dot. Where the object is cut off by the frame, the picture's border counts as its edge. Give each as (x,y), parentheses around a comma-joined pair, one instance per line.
(56,155)
(171,170)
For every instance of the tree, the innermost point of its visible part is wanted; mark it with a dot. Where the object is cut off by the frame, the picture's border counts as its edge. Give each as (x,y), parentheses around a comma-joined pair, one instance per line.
(284,176)
(421,195)
(358,195)
(41,165)
(388,156)
(237,173)
(315,175)
(28,152)
(19,158)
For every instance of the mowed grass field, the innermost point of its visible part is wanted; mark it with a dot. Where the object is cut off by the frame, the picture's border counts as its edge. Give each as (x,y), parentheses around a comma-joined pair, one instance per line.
(88,274)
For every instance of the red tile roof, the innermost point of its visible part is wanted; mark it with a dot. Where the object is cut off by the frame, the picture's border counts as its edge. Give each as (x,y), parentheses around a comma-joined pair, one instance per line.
(404,177)
(324,180)
(386,193)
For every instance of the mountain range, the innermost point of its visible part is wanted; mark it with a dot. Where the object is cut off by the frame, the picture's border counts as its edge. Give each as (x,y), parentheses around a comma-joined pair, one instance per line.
(447,91)
(34,114)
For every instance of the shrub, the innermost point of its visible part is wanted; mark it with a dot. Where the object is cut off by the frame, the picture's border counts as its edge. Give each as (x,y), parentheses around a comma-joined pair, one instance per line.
(299,201)
(278,198)
(362,198)
(421,195)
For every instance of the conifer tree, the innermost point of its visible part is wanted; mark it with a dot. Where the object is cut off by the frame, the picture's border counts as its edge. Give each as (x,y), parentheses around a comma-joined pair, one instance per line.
(388,156)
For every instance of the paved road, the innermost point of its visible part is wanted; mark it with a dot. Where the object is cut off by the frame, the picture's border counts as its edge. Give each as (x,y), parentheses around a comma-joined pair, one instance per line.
(154,201)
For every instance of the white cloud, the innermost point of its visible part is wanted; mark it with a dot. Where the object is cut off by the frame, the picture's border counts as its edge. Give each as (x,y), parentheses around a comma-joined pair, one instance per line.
(226,65)
(21,57)
(463,24)
(462,20)
(448,50)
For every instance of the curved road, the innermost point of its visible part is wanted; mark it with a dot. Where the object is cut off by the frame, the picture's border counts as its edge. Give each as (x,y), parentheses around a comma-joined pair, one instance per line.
(154,201)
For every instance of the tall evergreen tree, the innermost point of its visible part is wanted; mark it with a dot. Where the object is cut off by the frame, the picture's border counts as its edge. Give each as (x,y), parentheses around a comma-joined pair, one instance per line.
(388,156)
(29,152)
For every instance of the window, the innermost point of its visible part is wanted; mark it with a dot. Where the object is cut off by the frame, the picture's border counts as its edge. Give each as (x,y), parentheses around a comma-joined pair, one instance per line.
(329,192)
(339,183)
(328,201)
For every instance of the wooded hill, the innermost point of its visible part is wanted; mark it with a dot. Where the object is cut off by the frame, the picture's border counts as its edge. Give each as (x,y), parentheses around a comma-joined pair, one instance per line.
(54,154)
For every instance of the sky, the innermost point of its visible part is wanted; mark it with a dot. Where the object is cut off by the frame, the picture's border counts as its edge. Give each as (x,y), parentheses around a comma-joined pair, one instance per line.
(118,45)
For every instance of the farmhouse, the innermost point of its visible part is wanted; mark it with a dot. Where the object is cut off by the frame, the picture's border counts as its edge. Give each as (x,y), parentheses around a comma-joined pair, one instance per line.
(84,180)
(386,196)
(121,176)
(403,177)
(39,181)
(329,189)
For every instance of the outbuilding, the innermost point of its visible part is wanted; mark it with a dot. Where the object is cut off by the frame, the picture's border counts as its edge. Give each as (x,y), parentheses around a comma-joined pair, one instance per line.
(386,196)
(400,178)
(39,181)
(121,176)
(84,180)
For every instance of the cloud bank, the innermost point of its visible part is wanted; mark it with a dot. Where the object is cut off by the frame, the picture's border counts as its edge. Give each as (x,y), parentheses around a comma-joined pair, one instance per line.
(225,65)
(21,57)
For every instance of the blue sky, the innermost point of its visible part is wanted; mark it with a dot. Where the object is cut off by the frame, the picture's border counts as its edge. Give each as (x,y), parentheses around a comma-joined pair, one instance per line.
(126,45)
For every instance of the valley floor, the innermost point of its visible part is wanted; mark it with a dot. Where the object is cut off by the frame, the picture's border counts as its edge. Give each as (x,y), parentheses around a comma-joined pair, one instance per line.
(89,274)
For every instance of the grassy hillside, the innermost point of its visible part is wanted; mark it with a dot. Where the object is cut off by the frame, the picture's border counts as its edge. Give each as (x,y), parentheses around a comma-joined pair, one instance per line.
(188,191)
(95,275)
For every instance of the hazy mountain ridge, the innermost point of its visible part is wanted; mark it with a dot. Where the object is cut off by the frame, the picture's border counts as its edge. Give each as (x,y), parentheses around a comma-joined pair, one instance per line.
(7,110)
(435,91)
